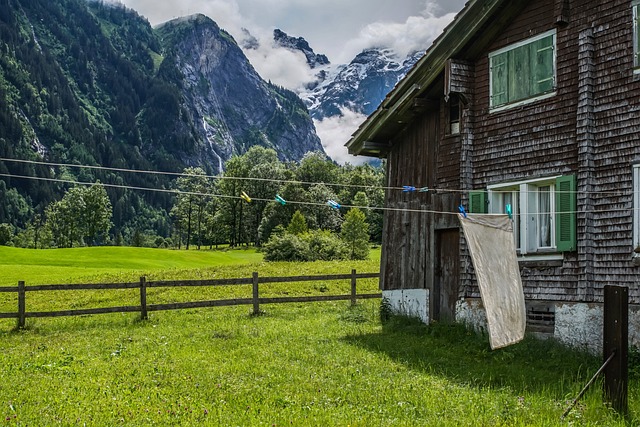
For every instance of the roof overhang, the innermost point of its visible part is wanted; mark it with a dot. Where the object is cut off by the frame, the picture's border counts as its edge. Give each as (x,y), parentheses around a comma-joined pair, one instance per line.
(374,136)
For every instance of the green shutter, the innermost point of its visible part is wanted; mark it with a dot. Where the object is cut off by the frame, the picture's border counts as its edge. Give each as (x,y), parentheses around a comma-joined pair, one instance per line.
(542,55)
(520,76)
(636,36)
(566,213)
(478,202)
(499,81)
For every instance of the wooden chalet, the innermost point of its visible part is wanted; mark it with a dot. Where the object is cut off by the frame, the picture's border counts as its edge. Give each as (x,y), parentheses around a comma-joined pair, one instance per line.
(530,106)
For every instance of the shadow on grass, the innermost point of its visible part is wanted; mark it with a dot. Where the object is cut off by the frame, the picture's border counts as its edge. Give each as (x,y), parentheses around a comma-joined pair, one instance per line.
(464,356)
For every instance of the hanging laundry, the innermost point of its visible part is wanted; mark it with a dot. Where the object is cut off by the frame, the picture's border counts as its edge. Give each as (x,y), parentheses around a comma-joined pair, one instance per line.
(333,204)
(493,253)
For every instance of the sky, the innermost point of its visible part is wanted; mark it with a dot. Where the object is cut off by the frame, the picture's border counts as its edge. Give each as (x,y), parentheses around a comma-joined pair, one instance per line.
(339,29)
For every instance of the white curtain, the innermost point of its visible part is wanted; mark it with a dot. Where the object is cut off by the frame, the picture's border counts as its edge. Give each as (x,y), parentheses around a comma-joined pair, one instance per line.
(544,217)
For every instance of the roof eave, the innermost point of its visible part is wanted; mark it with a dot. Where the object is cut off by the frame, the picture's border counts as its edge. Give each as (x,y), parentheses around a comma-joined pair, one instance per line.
(425,72)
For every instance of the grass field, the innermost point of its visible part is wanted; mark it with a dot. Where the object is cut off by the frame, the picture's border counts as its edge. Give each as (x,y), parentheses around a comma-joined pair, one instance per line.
(315,364)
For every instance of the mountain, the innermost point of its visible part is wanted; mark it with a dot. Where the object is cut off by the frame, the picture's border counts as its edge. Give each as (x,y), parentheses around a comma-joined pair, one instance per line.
(92,83)
(231,107)
(360,85)
(300,44)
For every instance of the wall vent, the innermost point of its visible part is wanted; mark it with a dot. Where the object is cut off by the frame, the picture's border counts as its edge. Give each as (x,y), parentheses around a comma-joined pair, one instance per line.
(541,317)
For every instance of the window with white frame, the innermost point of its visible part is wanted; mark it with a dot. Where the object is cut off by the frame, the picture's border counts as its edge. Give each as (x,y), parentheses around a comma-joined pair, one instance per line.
(636,35)
(523,72)
(543,213)
(636,208)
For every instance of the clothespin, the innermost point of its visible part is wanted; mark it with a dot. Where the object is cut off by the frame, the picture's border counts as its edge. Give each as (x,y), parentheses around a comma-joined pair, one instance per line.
(509,211)
(334,204)
(245,197)
(280,200)
(462,211)
(408,189)
(424,190)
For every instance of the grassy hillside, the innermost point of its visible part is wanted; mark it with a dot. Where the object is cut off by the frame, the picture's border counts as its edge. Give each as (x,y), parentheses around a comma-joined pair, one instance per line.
(87,264)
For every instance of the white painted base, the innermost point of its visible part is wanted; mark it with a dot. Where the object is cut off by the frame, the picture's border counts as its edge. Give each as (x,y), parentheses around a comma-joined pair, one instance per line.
(472,314)
(577,325)
(409,302)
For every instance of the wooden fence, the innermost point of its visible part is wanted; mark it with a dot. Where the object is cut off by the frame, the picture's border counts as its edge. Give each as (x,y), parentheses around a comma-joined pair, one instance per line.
(144,308)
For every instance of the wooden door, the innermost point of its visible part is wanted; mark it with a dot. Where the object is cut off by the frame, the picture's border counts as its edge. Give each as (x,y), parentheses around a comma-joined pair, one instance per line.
(447,275)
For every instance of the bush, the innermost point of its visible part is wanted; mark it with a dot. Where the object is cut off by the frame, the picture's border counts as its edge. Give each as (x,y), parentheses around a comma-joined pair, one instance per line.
(6,234)
(316,245)
(325,246)
(286,247)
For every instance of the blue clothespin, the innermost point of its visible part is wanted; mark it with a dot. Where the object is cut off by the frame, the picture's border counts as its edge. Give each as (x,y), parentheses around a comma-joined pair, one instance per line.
(334,204)
(408,189)
(509,211)
(424,190)
(462,211)
(280,200)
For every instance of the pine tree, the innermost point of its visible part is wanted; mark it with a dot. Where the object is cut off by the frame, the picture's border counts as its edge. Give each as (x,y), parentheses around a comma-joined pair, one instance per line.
(355,233)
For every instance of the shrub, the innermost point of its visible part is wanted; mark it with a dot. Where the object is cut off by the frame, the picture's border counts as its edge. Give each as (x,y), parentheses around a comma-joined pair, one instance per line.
(325,246)
(316,245)
(286,247)
(6,234)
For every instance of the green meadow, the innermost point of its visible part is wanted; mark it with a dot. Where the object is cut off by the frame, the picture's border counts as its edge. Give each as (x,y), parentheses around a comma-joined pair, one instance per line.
(312,364)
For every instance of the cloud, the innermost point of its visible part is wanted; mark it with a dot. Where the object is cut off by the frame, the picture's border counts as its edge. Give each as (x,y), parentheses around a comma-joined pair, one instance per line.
(336,131)
(279,65)
(415,34)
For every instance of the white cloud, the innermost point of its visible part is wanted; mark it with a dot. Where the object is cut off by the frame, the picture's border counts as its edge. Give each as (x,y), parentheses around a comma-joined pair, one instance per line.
(415,34)
(279,65)
(336,131)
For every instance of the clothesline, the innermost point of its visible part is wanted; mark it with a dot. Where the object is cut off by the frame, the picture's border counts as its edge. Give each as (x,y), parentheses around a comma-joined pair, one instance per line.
(277,198)
(403,188)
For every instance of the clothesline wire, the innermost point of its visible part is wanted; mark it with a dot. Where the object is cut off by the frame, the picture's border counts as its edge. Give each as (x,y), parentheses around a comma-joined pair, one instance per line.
(407,188)
(293,202)
(182,174)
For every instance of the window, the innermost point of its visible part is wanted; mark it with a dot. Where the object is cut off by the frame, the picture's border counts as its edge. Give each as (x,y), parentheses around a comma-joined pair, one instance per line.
(543,212)
(636,35)
(636,208)
(454,115)
(523,72)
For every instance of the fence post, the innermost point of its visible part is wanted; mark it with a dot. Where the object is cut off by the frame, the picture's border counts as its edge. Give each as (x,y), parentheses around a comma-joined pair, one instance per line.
(143,298)
(353,287)
(616,342)
(256,296)
(21,304)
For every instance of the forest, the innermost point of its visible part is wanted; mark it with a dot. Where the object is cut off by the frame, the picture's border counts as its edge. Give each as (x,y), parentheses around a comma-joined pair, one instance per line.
(257,195)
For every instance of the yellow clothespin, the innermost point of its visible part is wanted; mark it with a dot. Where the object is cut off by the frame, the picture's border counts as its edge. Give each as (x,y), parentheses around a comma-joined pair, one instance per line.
(245,197)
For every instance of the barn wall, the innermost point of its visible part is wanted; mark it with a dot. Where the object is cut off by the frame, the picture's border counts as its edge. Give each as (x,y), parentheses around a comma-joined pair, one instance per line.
(407,261)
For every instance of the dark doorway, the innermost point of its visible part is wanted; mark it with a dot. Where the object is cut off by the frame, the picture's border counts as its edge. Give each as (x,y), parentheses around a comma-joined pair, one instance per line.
(447,275)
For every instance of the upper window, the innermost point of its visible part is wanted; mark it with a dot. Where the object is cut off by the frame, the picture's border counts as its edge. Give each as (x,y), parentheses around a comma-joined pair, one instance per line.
(524,71)
(636,209)
(543,212)
(636,35)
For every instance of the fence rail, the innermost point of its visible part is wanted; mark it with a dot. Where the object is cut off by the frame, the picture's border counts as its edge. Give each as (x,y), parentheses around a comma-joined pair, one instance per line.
(144,308)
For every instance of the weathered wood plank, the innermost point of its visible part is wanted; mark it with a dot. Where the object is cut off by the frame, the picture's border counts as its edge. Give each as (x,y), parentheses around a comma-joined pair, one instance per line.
(82,312)
(80,287)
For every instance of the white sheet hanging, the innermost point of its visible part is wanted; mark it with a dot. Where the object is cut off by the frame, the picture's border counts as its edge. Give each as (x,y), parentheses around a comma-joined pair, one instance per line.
(493,252)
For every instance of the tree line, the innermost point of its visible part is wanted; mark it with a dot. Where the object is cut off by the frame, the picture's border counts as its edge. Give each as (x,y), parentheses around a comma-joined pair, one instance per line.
(209,212)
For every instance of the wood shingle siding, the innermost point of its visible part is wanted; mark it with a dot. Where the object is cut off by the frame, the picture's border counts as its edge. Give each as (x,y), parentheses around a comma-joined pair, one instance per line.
(588,127)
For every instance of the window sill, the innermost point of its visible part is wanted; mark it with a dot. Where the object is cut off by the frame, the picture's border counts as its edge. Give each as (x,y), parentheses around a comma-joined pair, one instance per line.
(521,103)
(540,258)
